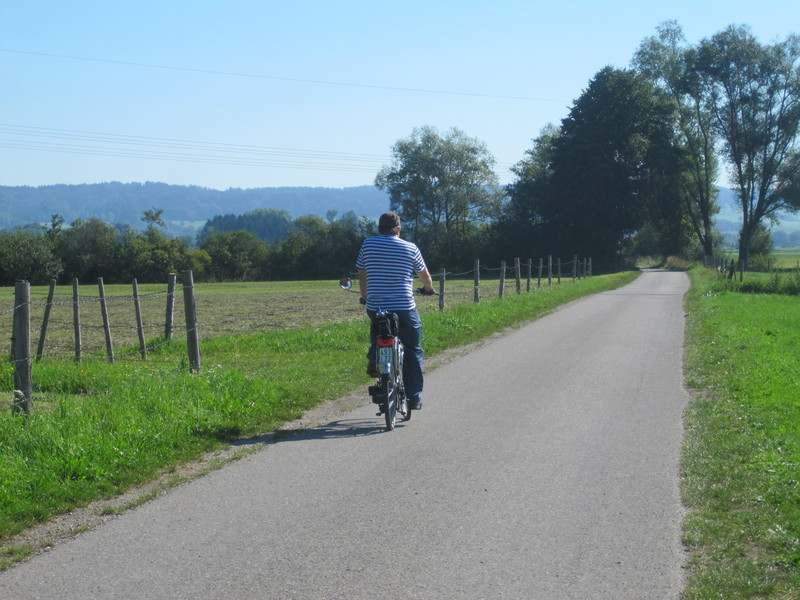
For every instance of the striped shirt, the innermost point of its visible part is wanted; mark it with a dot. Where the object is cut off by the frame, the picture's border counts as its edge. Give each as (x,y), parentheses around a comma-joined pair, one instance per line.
(390,263)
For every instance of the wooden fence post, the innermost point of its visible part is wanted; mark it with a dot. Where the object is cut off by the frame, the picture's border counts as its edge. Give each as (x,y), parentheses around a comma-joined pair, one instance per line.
(558,269)
(477,292)
(539,280)
(518,275)
(549,269)
(21,338)
(46,320)
(574,267)
(502,292)
(441,289)
(192,336)
(530,270)
(139,322)
(106,323)
(590,267)
(76,318)
(169,320)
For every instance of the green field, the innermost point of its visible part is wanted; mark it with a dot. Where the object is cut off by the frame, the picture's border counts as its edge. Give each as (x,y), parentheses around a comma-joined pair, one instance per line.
(787,258)
(781,258)
(741,454)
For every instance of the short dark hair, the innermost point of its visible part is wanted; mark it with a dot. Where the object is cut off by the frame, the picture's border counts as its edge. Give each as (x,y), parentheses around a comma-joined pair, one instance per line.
(387,222)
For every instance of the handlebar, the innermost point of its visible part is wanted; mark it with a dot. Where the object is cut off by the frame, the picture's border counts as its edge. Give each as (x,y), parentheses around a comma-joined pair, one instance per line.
(347,284)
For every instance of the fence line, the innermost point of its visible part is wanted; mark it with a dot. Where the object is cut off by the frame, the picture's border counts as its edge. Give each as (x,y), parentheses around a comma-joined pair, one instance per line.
(580,268)
(21,358)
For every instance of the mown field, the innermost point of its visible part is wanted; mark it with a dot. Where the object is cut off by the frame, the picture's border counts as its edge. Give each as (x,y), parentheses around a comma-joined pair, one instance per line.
(222,309)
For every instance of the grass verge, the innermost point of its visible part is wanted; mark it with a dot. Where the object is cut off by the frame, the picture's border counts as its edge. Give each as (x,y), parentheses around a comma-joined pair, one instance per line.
(741,455)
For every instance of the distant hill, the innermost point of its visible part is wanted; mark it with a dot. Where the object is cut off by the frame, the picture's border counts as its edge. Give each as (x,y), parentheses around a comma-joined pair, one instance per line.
(729,222)
(729,217)
(186,208)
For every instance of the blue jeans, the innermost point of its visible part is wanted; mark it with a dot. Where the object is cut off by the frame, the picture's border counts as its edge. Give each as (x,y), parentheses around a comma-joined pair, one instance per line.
(411,335)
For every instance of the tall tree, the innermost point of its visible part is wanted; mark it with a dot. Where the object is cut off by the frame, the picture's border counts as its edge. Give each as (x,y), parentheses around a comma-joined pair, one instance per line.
(613,162)
(753,92)
(441,185)
(518,229)
(667,60)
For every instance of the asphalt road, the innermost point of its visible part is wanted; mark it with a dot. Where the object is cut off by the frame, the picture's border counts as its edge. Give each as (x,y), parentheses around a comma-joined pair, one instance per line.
(543,465)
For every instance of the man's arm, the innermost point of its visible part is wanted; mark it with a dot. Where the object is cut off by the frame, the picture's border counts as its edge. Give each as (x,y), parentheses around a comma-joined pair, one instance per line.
(426,279)
(362,282)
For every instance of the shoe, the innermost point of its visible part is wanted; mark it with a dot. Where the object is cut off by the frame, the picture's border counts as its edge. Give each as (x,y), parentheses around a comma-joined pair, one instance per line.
(415,405)
(372,370)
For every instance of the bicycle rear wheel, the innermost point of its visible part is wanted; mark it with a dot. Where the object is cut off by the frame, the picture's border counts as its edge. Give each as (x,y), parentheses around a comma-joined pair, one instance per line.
(390,394)
(402,401)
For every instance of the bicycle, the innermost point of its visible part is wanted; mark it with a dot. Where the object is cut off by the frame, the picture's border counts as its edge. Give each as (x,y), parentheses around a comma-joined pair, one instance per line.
(388,392)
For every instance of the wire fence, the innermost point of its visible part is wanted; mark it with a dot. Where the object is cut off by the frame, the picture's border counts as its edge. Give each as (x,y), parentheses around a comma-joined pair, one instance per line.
(550,270)
(81,327)
(84,323)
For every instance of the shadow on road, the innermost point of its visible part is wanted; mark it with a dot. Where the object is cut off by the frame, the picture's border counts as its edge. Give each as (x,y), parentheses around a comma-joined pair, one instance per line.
(345,428)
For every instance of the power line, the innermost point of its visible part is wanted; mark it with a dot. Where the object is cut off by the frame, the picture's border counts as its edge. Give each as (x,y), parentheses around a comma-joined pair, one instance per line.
(93,143)
(276,78)
(22,137)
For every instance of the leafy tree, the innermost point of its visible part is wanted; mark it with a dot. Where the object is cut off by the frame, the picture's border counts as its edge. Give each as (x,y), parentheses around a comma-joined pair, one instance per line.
(153,217)
(236,255)
(753,92)
(612,166)
(667,60)
(89,249)
(25,255)
(150,256)
(301,255)
(317,248)
(519,230)
(442,186)
(199,262)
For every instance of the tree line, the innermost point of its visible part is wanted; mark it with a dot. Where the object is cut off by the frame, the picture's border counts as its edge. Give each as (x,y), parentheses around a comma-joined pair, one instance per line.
(631,170)
(312,248)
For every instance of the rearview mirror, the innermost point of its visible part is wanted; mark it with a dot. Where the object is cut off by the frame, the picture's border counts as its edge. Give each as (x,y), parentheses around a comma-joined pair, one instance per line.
(345,283)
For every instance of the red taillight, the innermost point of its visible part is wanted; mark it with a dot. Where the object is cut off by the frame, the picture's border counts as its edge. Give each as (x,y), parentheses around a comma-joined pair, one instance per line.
(385,342)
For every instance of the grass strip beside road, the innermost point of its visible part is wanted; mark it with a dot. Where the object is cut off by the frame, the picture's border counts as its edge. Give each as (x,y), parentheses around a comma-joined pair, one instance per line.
(741,456)
(98,429)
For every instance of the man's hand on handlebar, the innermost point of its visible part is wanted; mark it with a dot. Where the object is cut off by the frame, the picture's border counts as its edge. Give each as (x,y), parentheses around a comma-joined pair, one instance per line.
(425,292)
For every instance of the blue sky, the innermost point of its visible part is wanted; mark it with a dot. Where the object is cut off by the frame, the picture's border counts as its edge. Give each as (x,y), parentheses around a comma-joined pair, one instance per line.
(246,93)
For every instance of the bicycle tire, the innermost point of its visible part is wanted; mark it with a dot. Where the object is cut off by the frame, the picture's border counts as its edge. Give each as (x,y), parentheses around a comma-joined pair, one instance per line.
(390,394)
(402,401)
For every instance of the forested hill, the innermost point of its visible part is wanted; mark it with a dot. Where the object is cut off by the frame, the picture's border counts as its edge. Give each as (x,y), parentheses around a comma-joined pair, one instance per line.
(126,202)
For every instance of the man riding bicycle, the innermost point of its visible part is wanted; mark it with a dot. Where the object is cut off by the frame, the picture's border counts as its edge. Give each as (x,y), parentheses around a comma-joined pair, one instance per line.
(386,267)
